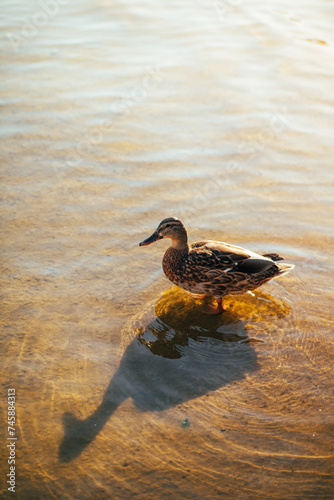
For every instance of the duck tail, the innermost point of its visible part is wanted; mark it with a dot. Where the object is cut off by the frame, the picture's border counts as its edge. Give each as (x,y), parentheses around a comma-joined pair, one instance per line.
(273,256)
(284,269)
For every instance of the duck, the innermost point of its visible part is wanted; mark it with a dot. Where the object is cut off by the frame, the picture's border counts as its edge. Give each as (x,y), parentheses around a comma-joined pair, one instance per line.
(213,268)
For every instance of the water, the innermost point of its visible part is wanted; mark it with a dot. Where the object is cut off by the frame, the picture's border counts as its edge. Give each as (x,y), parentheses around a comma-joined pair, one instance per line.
(115,116)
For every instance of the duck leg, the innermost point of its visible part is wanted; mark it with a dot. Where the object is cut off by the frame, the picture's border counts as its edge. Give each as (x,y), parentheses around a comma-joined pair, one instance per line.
(214,309)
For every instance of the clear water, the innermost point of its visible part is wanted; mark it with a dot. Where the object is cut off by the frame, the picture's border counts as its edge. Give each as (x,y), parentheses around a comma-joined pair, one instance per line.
(114,116)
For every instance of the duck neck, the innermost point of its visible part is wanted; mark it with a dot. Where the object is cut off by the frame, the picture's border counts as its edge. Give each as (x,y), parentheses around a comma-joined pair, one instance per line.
(181,244)
(174,260)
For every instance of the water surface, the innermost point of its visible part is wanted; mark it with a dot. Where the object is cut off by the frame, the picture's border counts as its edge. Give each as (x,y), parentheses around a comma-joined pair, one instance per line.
(116,115)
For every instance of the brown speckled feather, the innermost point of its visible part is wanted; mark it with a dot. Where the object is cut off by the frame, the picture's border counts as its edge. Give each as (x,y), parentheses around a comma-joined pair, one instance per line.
(216,268)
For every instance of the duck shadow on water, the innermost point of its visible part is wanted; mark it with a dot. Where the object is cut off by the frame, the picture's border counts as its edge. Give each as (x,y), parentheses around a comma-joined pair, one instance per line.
(179,355)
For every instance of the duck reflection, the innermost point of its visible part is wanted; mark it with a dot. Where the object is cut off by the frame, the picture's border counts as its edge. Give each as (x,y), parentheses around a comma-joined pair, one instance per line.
(162,340)
(173,359)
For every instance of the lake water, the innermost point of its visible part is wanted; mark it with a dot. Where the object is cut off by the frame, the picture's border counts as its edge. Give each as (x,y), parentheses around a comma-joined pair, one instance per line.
(114,116)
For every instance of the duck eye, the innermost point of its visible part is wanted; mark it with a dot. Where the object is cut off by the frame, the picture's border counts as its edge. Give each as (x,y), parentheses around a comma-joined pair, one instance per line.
(167,225)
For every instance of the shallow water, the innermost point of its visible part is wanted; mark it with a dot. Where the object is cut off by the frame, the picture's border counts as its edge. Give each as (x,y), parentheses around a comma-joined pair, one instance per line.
(115,116)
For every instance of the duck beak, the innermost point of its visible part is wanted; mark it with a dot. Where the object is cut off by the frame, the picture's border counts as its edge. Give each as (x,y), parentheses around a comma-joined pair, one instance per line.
(154,237)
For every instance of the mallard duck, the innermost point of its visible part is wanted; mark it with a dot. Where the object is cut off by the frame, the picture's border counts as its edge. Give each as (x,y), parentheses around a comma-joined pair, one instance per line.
(213,268)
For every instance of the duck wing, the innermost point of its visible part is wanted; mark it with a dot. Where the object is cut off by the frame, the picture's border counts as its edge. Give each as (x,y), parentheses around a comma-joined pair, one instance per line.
(214,254)
(214,260)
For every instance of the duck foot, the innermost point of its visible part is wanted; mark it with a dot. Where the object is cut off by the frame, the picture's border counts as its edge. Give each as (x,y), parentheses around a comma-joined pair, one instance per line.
(214,309)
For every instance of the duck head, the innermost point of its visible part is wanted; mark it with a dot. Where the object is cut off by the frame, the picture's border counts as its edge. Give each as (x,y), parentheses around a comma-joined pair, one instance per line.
(169,228)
